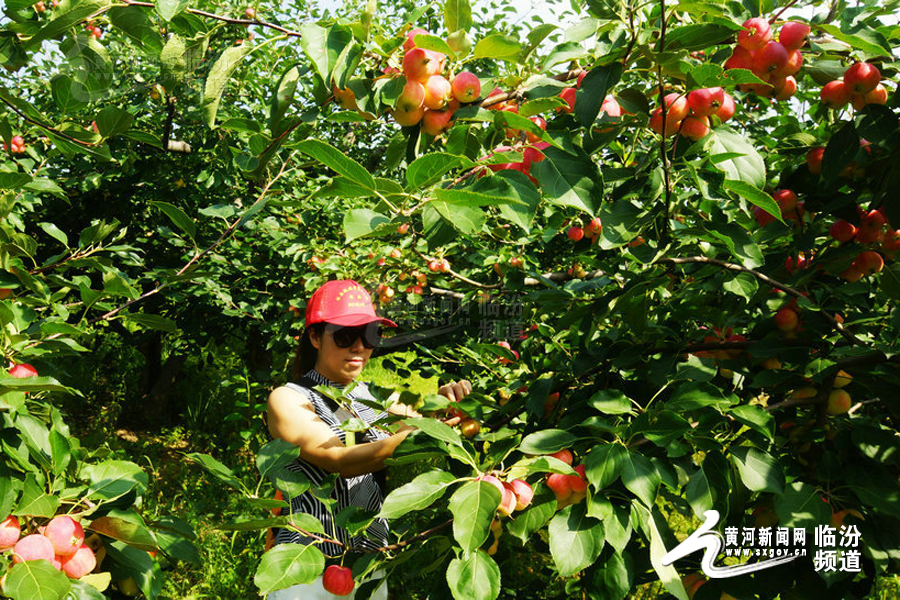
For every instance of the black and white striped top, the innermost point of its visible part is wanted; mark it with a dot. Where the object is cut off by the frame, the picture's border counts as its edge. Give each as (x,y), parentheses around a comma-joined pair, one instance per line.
(362,491)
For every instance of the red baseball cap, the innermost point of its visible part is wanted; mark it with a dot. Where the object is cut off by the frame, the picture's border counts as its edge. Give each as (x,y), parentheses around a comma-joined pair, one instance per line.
(342,302)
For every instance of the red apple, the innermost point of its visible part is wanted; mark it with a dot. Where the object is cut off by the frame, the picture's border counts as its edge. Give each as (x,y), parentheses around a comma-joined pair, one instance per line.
(436,122)
(740,58)
(523,491)
(466,87)
(79,563)
(338,580)
(793,35)
(594,228)
(575,233)
(786,199)
(695,128)
(770,60)
(835,94)
(755,33)
(786,89)
(564,455)
(842,231)
(560,485)
(22,370)
(861,78)
(33,547)
(410,42)
(10,530)
(420,64)
(568,95)
(65,533)
(869,262)
(814,160)
(507,496)
(792,66)
(677,106)
(879,95)
(656,123)
(706,101)
(578,483)
(763,217)
(726,110)
(437,92)
(344,98)
(786,320)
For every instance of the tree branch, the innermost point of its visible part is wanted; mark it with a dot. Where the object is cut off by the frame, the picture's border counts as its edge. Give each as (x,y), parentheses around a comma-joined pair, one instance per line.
(767,280)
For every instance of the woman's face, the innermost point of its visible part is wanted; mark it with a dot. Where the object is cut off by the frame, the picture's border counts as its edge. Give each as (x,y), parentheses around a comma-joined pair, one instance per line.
(341,365)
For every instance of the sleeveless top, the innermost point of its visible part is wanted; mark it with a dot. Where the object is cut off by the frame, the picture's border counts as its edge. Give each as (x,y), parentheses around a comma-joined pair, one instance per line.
(362,491)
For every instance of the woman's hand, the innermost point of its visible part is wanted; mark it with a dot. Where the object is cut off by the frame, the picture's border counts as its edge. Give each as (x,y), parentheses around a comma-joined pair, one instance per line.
(456,390)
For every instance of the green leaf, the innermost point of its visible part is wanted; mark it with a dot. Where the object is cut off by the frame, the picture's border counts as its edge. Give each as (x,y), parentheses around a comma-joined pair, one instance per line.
(611,402)
(126,526)
(868,40)
(169,9)
(337,161)
(520,187)
(594,88)
(427,41)
(437,430)
(274,456)
(457,15)
(697,37)
(288,564)
(640,477)
(361,222)
(473,506)
(840,150)
(217,469)
(570,180)
(699,493)
(69,95)
(150,321)
(420,493)
(890,281)
(112,479)
(135,22)
(604,464)
(467,219)
(694,395)
(875,486)
(283,97)
(177,216)
(616,576)
(546,441)
(35,501)
(113,121)
(324,46)
(756,418)
(576,540)
(533,518)
(802,505)
(36,580)
(742,284)
(653,525)
(749,167)
(430,168)
(474,577)
(218,77)
(754,195)
(759,471)
(497,46)
(136,563)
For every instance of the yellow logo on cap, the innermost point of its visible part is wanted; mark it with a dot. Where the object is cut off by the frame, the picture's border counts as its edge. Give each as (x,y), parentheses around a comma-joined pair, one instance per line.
(357,300)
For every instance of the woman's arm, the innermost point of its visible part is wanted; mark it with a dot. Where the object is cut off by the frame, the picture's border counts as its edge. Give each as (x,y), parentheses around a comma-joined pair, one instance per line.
(292,418)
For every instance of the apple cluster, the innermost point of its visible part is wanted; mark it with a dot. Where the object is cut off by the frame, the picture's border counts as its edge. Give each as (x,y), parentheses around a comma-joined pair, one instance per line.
(873,229)
(60,542)
(609,106)
(569,489)
(860,85)
(16,145)
(514,495)
(689,114)
(41,6)
(428,97)
(775,62)
(93,30)
(792,209)
(591,230)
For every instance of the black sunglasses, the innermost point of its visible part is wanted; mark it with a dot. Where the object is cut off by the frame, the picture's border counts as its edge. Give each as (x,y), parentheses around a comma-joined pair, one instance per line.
(344,337)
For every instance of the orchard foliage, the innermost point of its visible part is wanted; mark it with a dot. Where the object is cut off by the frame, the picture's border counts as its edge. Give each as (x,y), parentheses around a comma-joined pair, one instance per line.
(705,294)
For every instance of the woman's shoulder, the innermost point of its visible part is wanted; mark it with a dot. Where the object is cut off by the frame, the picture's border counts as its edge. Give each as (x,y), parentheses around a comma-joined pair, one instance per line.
(289,392)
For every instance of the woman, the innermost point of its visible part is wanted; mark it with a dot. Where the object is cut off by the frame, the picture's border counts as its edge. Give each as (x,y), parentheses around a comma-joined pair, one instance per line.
(341,332)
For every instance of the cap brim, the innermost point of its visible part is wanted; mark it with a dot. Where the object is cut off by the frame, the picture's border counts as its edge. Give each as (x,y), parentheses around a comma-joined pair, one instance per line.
(357,320)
